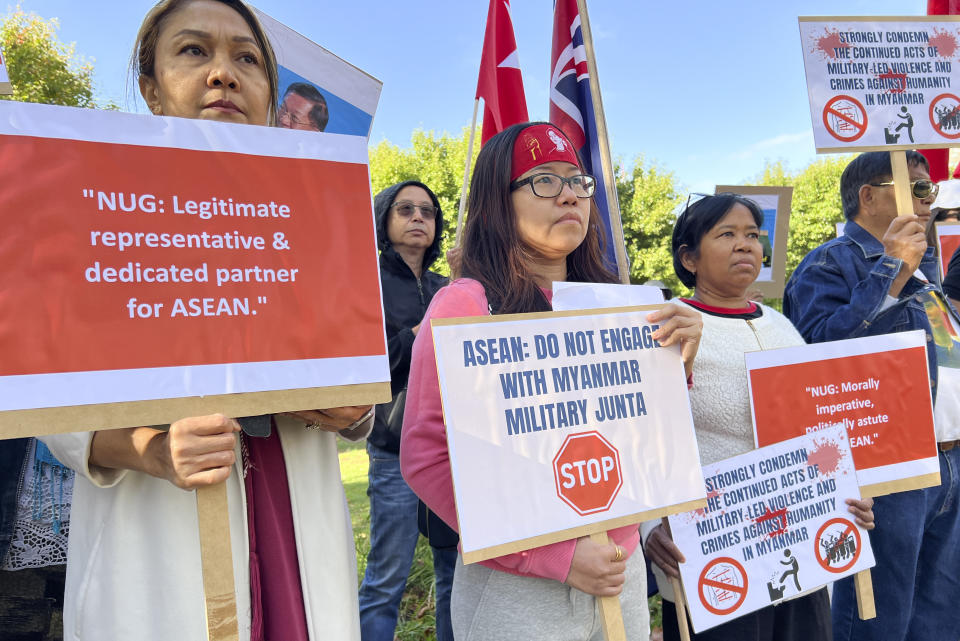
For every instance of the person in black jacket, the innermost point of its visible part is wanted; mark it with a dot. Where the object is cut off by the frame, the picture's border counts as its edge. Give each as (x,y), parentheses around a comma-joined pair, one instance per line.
(409,226)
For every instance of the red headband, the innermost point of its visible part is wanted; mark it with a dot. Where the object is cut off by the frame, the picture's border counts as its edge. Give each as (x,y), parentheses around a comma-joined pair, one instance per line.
(539,144)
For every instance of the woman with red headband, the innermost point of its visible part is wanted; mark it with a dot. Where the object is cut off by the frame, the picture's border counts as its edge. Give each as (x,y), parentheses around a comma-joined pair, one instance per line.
(531,221)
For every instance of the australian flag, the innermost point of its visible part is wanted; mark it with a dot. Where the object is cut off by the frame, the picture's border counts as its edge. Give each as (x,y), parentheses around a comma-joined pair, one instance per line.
(571,106)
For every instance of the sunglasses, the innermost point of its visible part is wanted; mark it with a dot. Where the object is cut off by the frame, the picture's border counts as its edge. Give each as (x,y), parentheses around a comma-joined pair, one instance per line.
(920,188)
(406,210)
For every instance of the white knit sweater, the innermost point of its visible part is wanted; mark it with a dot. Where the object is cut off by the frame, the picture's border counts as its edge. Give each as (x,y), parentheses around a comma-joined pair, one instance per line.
(719,399)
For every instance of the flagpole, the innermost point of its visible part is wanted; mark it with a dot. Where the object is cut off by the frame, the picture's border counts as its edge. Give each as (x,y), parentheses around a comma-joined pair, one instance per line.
(613,202)
(466,174)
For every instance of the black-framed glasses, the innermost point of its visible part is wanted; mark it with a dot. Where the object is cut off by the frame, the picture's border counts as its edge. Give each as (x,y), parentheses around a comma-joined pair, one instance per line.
(921,189)
(406,209)
(547,185)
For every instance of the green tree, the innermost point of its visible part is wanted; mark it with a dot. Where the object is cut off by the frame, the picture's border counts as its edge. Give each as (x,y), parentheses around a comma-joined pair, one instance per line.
(41,68)
(649,199)
(436,161)
(816,207)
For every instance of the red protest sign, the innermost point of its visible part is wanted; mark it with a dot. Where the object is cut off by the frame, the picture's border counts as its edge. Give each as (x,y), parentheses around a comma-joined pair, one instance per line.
(877,387)
(149,258)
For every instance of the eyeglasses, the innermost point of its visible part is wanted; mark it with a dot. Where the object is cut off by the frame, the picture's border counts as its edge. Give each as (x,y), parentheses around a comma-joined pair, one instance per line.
(406,209)
(284,112)
(548,185)
(920,188)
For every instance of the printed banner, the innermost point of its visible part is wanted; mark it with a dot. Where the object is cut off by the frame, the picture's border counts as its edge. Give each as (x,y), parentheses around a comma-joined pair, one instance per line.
(158,258)
(882,83)
(562,424)
(776,525)
(878,387)
(318,90)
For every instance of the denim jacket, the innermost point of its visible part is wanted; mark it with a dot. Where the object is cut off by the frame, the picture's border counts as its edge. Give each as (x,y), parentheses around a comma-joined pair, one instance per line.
(839,288)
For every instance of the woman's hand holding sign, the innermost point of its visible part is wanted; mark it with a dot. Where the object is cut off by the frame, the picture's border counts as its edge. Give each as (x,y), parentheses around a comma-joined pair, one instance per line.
(679,325)
(598,569)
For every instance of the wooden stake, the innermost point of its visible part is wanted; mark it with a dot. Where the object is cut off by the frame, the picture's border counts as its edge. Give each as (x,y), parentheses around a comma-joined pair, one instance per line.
(216,558)
(901,182)
(609,179)
(862,581)
(863,585)
(610,613)
(466,174)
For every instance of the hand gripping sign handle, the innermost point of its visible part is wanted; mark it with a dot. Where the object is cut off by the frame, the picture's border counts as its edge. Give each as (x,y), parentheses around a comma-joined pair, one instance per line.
(678,599)
(216,560)
(610,613)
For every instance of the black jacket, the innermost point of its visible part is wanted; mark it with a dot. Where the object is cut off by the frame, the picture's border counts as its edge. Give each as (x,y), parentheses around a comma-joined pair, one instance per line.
(405,301)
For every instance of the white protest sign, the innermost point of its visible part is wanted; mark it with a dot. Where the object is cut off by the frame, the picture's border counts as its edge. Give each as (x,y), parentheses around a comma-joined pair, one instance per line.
(570,296)
(775,526)
(5,87)
(562,424)
(882,83)
(349,94)
(877,386)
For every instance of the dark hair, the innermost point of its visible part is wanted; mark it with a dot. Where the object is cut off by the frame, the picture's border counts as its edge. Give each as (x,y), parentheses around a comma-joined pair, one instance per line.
(869,167)
(319,113)
(492,250)
(698,219)
(144,56)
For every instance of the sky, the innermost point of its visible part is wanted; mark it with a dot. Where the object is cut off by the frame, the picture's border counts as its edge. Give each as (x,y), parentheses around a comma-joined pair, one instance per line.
(710,94)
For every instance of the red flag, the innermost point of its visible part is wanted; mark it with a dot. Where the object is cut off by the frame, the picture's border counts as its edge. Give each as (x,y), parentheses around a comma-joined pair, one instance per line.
(500,84)
(939,159)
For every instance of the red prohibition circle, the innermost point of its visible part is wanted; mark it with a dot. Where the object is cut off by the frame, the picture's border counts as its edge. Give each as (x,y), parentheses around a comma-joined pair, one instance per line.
(933,120)
(823,560)
(828,110)
(739,590)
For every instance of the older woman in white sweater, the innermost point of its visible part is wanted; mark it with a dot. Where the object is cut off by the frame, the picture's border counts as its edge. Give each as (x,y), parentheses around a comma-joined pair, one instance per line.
(717,251)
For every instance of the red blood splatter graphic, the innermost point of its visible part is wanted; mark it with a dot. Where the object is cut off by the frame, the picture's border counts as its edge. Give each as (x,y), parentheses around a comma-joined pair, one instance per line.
(945,42)
(898,82)
(780,514)
(701,512)
(826,457)
(830,41)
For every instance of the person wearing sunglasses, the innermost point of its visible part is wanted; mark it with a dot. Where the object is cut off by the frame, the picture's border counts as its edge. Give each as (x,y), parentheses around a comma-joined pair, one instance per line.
(531,221)
(409,230)
(881,276)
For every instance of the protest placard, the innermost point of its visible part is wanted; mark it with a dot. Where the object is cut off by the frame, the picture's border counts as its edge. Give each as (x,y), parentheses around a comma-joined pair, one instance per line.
(562,424)
(876,386)
(948,240)
(346,96)
(775,203)
(5,87)
(882,83)
(775,525)
(156,268)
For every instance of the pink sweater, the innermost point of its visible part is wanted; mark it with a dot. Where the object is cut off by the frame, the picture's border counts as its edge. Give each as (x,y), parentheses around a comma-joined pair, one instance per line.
(423,448)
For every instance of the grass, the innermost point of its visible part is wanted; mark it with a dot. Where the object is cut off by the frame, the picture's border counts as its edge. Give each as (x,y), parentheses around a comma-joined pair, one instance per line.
(416,622)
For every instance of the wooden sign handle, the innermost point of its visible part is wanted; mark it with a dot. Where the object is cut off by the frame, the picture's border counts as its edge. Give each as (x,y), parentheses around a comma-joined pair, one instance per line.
(862,581)
(216,558)
(610,613)
(901,182)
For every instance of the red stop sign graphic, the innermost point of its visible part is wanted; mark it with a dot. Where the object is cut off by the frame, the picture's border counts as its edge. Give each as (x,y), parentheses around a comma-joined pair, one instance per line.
(587,472)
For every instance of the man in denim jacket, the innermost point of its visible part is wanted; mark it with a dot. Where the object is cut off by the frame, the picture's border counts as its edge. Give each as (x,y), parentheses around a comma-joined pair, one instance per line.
(873,280)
